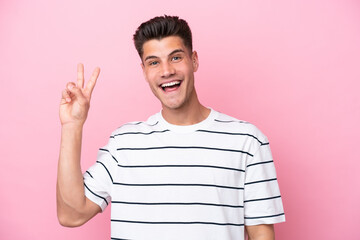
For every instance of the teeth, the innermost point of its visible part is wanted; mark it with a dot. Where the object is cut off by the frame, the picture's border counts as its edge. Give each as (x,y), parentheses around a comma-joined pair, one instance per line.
(170,84)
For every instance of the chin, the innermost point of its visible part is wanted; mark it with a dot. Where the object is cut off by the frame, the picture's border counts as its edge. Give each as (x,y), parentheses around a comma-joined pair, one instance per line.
(172,106)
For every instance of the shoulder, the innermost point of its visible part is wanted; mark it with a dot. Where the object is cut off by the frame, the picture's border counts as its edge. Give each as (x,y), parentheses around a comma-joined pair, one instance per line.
(228,123)
(137,126)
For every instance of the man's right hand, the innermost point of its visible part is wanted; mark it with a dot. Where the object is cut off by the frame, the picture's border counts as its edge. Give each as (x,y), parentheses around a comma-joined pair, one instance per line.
(73,207)
(75,101)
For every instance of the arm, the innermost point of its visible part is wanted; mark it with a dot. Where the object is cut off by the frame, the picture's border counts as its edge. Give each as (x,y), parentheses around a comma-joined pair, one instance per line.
(73,208)
(261,232)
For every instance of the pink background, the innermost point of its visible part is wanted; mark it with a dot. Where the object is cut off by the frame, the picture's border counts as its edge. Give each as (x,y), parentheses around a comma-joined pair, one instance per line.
(290,67)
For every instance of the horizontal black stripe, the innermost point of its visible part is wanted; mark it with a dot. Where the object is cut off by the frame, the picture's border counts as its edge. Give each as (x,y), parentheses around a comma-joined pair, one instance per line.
(142,133)
(263,144)
(178,223)
(133,123)
(96,194)
(106,150)
(175,185)
(153,124)
(277,215)
(253,164)
(186,147)
(119,238)
(179,203)
(232,133)
(261,199)
(229,121)
(205,166)
(266,180)
(106,170)
(89,174)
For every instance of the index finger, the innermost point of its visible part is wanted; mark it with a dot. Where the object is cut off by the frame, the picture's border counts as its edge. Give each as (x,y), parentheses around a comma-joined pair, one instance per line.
(80,75)
(91,84)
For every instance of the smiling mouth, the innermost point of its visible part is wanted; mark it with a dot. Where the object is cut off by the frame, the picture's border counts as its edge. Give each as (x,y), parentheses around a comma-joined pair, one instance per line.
(170,86)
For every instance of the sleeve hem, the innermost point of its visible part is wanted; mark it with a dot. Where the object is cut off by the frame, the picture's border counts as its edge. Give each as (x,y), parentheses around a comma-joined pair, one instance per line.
(273,220)
(102,204)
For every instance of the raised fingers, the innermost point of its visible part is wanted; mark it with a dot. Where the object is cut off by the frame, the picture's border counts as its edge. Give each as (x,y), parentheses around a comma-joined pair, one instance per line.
(91,84)
(80,75)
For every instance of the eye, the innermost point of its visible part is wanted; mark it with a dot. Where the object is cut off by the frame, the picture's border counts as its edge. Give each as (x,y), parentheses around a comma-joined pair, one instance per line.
(176,58)
(153,63)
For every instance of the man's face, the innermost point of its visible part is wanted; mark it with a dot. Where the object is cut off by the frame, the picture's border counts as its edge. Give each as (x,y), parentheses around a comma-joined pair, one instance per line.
(169,68)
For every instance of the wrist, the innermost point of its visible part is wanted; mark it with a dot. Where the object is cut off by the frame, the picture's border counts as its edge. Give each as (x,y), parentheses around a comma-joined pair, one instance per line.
(72,126)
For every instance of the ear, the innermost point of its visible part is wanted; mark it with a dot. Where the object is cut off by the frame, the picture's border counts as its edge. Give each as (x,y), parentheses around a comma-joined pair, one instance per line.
(195,61)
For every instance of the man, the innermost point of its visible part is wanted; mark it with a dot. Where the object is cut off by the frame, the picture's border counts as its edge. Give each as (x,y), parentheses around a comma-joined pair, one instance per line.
(188,172)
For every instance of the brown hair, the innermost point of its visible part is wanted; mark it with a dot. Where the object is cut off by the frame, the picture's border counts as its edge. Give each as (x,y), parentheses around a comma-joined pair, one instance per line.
(160,27)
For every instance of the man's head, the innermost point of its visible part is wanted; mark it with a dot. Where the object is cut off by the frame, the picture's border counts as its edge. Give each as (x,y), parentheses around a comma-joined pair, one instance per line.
(168,62)
(161,27)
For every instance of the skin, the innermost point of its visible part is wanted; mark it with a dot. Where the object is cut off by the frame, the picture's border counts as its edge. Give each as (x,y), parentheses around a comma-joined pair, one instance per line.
(73,208)
(163,61)
(167,60)
(261,232)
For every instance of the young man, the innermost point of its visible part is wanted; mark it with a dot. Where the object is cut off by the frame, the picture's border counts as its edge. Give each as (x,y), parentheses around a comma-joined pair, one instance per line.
(188,172)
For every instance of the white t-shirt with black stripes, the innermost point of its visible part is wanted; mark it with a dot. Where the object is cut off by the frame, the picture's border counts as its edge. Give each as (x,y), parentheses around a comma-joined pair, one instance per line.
(203,181)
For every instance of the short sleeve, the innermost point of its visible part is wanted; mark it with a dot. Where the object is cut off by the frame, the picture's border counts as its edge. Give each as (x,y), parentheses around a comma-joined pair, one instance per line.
(262,199)
(98,179)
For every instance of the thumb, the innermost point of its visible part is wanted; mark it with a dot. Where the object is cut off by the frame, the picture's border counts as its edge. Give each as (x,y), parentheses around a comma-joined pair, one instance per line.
(76,91)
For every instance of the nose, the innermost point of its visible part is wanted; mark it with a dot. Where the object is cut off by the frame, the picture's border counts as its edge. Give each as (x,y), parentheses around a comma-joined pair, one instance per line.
(167,70)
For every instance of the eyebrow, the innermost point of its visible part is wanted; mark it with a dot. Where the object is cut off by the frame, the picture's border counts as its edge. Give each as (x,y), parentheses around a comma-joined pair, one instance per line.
(173,52)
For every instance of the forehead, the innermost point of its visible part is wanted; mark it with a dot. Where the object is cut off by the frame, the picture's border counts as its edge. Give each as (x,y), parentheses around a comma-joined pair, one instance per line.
(163,47)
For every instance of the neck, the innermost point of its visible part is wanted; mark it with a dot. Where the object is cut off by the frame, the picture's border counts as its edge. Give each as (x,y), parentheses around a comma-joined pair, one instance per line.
(189,114)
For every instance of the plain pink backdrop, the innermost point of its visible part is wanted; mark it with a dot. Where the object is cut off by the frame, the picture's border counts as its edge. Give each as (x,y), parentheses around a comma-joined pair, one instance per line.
(290,67)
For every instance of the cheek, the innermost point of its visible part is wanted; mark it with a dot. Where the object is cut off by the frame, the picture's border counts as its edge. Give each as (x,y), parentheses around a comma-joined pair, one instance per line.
(151,73)
(148,76)
(188,68)
(151,79)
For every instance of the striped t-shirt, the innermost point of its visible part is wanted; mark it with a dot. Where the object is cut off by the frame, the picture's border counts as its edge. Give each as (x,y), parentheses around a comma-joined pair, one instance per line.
(203,181)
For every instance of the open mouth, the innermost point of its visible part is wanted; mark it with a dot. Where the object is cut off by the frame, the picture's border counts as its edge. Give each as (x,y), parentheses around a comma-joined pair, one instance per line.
(170,86)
